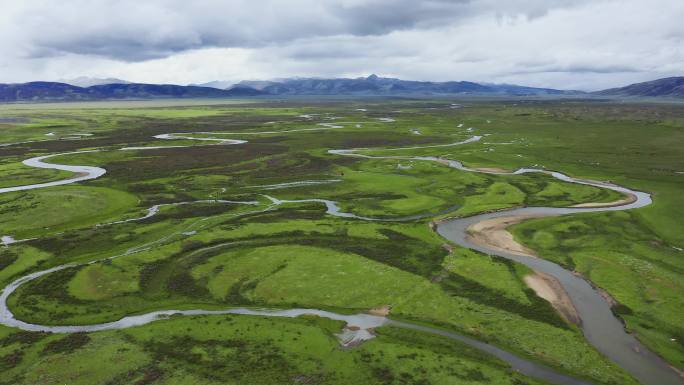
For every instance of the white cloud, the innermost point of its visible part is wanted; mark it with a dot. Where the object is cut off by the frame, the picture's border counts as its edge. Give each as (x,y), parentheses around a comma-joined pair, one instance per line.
(563,44)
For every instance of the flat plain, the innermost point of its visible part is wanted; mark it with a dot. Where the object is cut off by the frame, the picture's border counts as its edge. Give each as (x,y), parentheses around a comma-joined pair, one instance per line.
(205,223)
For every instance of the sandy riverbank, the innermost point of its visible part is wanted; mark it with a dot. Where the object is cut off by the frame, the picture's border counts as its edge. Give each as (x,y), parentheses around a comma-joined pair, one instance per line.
(550,289)
(494,170)
(492,233)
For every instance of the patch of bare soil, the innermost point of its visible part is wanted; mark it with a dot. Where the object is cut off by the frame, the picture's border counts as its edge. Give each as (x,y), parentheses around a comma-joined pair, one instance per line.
(492,169)
(381,311)
(492,233)
(550,289)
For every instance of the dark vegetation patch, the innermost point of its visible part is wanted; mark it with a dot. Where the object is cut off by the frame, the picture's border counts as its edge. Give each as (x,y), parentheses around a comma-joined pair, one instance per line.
(171,162)
(135,131)
(394,235)
(436,344)
(146,187)
(539,309)
(84,241)
(235,295)
(191,245)
(7,257)
(192,211)
(293,164)
(387,196)
(153,277)
(621,310)
(145,375)
(182,283)
(379,139)
(11,360)
(234,360)
(48,296)
(383,375)
(23,338)
(410,255)
(310,212)
(51,286)
(67,344)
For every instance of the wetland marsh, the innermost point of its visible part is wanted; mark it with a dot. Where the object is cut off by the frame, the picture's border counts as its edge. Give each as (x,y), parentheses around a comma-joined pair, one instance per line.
(187,218)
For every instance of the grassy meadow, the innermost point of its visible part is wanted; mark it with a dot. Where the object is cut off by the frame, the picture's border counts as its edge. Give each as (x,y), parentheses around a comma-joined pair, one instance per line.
(216,254)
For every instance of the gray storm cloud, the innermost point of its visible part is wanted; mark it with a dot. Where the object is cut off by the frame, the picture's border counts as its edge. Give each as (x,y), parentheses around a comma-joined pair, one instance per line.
(585,44)
(133,30)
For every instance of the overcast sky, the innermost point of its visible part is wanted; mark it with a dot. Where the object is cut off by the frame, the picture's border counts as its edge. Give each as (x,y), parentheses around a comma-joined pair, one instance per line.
(570,44)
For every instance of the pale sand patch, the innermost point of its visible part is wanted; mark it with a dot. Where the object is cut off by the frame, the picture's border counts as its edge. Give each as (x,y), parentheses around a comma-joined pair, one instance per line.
(492,233)
(492,169)
(550,289)
(381,311)
(627,199)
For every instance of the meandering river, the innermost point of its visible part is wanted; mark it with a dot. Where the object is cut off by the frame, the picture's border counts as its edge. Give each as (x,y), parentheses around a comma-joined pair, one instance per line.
(601,328)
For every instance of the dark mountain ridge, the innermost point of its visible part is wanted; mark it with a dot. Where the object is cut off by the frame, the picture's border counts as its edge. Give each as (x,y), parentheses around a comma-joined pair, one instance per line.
(666,87)
(375,85)
(365,86)
(65,92)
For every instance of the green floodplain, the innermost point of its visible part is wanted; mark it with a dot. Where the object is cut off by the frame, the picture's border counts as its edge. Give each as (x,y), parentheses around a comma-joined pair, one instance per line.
(215,255)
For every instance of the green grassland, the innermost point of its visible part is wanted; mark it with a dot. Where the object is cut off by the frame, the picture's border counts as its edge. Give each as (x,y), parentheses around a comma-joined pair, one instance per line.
(636,267)
(17,174)
(60,209)
(218,255)
(243,350)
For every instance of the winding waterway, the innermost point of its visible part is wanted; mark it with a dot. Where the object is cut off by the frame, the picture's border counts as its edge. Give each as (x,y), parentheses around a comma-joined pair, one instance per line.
(82,172)
(600,326)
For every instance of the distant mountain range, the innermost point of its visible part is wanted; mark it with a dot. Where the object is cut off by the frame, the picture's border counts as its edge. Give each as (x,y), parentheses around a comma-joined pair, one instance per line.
(375,85)
(46,91)
(102,89)
(666,87)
